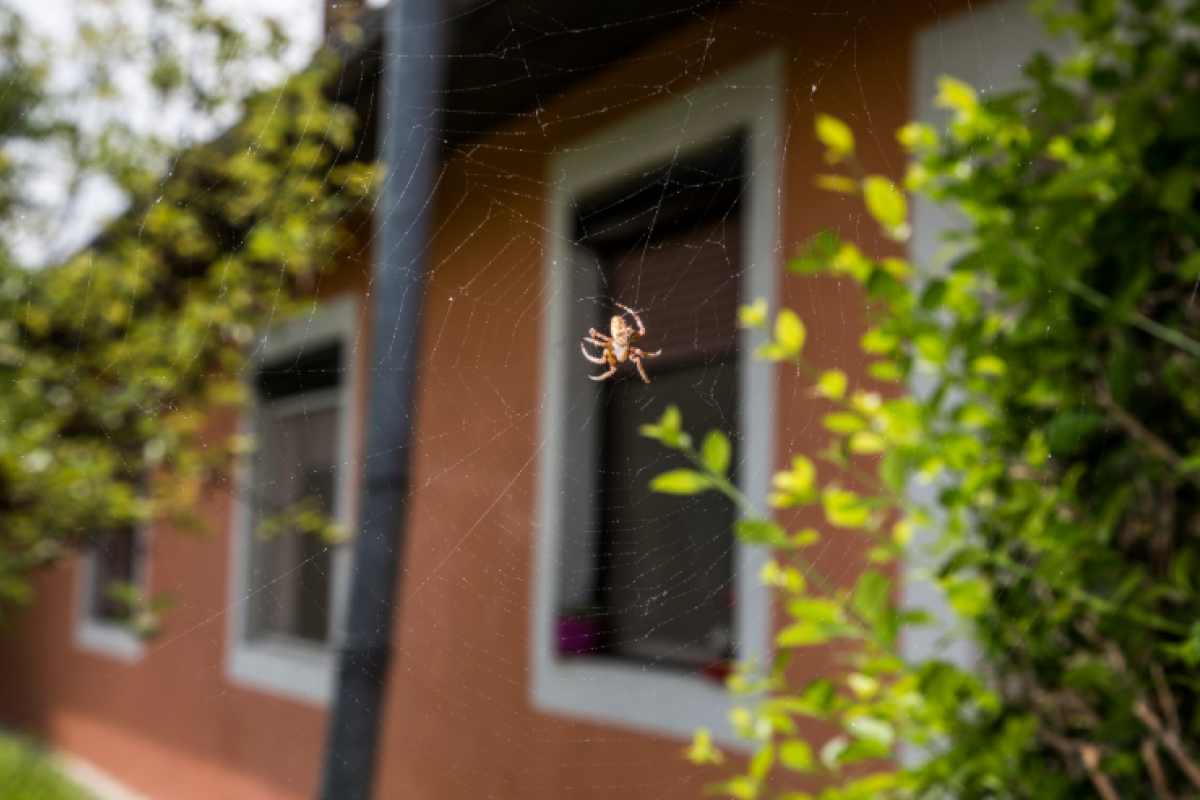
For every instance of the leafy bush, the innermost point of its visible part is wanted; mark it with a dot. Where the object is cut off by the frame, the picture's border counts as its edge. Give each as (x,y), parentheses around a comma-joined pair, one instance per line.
(114,360)
(1046,383)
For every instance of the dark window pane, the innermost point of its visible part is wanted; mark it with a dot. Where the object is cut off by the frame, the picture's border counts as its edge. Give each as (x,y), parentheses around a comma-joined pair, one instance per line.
(295,467)
(311,370)
(666,584)
(114,557)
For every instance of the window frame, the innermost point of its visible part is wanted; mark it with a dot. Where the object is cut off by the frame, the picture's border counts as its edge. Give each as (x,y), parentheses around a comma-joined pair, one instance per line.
(748,98)
(103,636)
(287,666)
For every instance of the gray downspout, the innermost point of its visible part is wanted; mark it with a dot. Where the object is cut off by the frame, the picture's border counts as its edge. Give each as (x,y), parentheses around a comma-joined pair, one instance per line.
(410,147)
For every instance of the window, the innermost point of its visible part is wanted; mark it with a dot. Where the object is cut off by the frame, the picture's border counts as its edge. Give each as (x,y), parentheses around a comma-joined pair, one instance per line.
(290,584)
(642,601)
(112,560)
(662,584)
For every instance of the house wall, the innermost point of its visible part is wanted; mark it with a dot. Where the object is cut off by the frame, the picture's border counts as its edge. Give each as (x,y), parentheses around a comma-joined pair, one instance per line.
(459,721)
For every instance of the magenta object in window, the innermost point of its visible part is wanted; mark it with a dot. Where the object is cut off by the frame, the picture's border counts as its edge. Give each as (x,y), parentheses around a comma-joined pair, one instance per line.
(577,635)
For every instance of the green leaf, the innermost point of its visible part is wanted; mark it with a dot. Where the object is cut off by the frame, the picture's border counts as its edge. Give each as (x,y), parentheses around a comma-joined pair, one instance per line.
(885,202)
(760,531)
(761,763)
(836,136)
(796,755)
(681,481)
(668,431)
(885,371)
(872,597)
(803,634)
(789,332)
(968,596)
(816,253)
(844,508)
(716,452)
(817,699)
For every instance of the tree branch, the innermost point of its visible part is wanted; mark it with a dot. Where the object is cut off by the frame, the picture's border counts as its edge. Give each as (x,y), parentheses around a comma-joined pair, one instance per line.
(1090,755)
(1134,427)
(1169,740)
(1158,778)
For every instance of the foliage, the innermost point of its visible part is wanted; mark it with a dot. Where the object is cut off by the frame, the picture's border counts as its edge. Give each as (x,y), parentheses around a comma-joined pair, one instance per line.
(1044,385)
(27,774)
(114,360)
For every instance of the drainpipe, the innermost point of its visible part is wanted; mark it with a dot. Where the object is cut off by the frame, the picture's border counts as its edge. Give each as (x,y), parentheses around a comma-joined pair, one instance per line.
(410,147)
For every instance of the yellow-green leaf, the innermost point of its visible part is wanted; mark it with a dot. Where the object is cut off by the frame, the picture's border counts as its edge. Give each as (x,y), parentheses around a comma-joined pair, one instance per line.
(681,481)
(989,365)
(917,136)
(969,596)
(837,183)
(956,95)
(866,443)
(789,331)
(836,136)
(716,452)
(832,384)
(796,755)
(702,750)
(753,315)
(795,486)
(844,508)
(885,202)
(843,422)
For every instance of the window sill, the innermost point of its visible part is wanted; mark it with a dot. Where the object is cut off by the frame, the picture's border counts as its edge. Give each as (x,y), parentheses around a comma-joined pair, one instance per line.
(637,696)
(288,668)
(109,639)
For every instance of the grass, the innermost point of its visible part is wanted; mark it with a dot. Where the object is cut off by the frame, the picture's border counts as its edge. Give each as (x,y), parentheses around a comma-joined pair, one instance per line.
(27,773)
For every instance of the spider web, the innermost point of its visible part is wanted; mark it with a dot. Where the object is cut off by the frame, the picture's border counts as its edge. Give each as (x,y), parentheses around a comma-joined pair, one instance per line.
(461,718)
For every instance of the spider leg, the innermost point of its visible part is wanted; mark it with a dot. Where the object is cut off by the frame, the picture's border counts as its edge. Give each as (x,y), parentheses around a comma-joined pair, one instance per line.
(595,334)
(641,331)
(639,351)
(637,362)
(589,356)
(605,376)
(612,368)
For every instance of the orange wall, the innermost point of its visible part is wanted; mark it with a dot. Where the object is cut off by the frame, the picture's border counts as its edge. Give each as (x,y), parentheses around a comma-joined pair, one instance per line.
(459,722)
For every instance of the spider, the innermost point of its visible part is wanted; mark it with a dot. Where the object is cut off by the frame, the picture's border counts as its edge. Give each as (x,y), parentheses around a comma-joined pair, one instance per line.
(617,348)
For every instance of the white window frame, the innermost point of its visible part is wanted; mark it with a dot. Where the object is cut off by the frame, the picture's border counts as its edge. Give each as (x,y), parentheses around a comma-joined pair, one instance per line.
(749,98)
(284,666)
(102,636)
